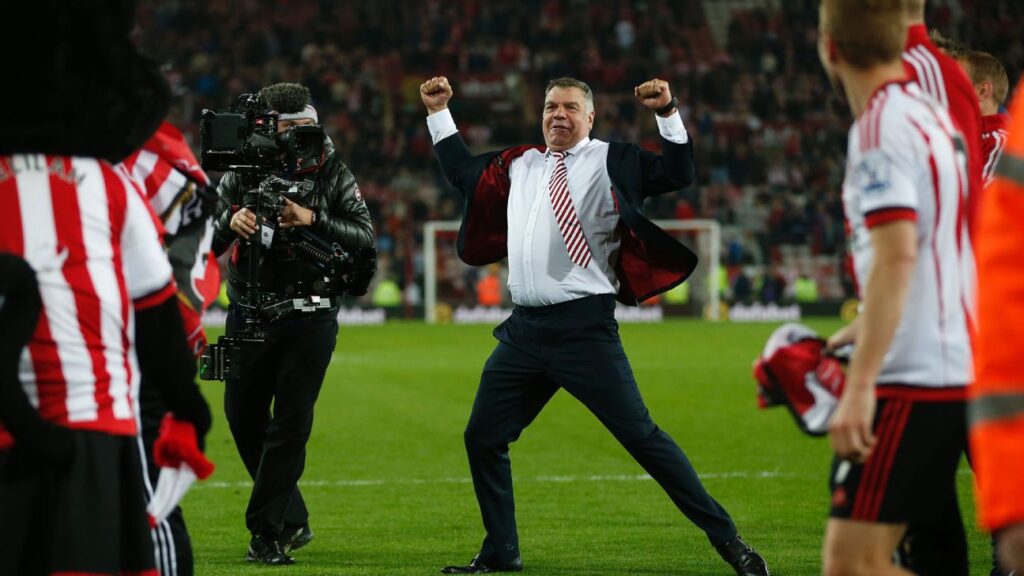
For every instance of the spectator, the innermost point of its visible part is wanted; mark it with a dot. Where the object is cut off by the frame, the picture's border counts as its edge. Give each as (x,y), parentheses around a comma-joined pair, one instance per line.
(488,288)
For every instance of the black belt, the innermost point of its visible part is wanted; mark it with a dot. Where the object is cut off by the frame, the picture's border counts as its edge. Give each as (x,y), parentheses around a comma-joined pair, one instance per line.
(596,302)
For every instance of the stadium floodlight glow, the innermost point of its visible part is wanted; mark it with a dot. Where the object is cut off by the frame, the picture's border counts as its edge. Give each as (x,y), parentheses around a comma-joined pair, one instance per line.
(702,236)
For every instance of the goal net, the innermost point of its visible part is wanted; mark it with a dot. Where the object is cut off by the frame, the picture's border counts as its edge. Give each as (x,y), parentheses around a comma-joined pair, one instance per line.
(456,292)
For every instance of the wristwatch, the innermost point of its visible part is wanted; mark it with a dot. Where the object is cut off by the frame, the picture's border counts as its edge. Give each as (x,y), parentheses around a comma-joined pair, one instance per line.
(672,105)
(312,218)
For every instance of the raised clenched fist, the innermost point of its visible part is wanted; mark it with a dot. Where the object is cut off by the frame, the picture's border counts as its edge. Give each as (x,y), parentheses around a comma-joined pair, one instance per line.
(653,94)
(435,93)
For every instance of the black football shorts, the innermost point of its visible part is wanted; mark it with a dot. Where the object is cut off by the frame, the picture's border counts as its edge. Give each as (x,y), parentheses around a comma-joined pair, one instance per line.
(88,517)
(911,473)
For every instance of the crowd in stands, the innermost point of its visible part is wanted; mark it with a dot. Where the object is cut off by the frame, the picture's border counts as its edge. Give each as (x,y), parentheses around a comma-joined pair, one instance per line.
(769,131)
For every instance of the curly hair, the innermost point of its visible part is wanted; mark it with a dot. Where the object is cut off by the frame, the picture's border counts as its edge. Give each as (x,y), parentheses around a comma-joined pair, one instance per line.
(286,97)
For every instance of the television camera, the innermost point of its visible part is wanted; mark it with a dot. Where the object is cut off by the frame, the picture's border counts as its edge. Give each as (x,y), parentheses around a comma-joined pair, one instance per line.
(245,140)
(274,167)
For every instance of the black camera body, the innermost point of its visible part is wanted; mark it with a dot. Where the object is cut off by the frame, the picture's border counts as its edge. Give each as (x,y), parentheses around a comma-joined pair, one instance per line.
(336,273)
(340,272)
(229,356)
(245,139)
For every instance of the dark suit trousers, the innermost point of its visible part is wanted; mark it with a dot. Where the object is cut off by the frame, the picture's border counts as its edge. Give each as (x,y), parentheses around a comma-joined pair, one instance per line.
(573,345)
(287,371)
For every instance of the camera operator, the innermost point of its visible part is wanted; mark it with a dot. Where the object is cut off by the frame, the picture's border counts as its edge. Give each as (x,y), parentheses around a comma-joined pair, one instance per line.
(287,367)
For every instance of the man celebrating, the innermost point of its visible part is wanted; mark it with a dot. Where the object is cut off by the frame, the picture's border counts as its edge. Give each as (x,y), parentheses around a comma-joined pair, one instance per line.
(899,430)
(568,217)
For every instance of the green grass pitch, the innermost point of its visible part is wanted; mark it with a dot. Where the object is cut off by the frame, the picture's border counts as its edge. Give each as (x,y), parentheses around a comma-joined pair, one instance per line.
(388,485)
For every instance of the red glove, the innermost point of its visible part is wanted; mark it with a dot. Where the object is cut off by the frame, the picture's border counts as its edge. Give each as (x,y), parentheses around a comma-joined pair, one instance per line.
(176,444)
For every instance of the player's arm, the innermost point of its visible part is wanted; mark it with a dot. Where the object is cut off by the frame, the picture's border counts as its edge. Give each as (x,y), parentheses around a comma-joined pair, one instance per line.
(449,147)
(885,293)
(673,169)
(845,335)
(166,361)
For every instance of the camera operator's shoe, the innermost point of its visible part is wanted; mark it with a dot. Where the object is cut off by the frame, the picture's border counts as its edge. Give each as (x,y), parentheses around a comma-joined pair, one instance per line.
(743,559)
(267,551)
(478,567)
(295,537)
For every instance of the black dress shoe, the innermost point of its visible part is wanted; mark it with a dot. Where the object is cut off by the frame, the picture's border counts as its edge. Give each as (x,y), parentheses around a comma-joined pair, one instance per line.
(478,567)
(743,559)
(267,551)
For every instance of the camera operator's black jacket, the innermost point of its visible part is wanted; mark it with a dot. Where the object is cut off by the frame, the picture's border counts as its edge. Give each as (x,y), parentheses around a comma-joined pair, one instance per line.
(341,215)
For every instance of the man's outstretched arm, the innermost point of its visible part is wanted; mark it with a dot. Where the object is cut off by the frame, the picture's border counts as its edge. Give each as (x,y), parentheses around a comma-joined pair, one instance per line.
(673,169)
(448,145)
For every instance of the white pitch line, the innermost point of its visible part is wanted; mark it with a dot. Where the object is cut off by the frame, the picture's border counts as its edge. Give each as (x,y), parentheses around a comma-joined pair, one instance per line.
(344,483)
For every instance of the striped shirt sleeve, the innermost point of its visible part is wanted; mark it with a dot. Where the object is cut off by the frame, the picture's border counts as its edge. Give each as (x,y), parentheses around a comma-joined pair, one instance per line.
(147,270)
(886,191)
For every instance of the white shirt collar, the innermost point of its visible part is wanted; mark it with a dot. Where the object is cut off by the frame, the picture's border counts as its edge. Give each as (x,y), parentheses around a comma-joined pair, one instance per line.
(574,150)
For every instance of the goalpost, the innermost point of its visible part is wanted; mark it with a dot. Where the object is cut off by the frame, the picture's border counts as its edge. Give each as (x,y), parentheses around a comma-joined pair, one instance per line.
(440,259)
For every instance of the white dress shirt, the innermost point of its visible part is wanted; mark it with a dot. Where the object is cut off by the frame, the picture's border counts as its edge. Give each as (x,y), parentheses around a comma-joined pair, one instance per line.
(540,270)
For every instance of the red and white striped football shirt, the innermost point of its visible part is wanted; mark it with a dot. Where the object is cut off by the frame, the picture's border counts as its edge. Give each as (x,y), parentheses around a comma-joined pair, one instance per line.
(168,175)
(903,164)
(940,77)
(166,171)
(94,247)
(994,130)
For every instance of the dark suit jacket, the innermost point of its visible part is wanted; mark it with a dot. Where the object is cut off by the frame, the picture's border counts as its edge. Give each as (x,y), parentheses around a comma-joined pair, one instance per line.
(650,260)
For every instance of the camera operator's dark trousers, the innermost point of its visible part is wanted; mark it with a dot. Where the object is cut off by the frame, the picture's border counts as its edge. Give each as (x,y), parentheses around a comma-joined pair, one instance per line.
(287,370)
(573,345)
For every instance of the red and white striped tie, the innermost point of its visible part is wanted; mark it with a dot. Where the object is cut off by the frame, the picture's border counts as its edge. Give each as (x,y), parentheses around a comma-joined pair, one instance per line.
(565,213)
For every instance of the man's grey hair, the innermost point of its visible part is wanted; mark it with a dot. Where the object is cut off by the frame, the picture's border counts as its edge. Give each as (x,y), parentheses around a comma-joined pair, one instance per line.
(588,94)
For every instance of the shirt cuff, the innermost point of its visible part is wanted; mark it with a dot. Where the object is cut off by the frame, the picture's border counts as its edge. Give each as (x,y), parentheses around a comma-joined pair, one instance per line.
(672,128)
(888,214)
(441,125)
